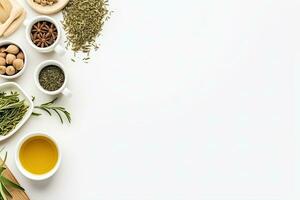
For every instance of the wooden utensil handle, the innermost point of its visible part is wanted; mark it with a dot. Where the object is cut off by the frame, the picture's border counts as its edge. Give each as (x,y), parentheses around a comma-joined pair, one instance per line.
(15,25)
(15,13)
(17,194)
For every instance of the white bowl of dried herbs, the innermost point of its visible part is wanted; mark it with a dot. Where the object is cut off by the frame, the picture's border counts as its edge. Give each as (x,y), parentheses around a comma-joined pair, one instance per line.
(51,79)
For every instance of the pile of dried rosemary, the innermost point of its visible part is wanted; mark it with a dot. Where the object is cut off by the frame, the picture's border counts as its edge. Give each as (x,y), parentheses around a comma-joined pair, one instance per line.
(83,22)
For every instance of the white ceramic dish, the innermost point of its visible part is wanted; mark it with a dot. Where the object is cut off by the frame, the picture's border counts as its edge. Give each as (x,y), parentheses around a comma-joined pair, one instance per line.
(24,171)
(8,42)
(63,89)
(48,10)
(8,87)
(55,46)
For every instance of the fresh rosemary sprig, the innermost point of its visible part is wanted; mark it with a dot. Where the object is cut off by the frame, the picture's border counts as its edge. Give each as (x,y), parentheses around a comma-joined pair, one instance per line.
(50,106)
(5,183)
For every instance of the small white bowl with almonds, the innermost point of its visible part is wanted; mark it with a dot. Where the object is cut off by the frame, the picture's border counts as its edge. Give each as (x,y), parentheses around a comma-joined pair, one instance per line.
(13,60)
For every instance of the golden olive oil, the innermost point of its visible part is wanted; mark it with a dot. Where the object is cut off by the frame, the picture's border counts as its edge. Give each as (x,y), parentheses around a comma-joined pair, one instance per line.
(38,155)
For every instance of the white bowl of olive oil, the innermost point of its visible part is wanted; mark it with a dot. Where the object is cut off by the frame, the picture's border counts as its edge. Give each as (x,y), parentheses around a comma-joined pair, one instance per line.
(38,156)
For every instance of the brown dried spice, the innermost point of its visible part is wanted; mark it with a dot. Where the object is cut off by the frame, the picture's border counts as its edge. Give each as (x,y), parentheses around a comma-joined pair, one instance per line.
(43,34)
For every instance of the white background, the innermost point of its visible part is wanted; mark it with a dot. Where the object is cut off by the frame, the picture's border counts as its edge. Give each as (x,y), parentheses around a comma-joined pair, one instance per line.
(184,100)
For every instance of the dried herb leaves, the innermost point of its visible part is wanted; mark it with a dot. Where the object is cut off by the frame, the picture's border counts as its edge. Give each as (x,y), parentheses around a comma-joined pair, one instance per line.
(83,22)
(51,78)
(12,111)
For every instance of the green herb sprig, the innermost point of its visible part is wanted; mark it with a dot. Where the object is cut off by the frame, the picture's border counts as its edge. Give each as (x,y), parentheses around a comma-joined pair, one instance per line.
(12,111)
(5,183)
(50,106)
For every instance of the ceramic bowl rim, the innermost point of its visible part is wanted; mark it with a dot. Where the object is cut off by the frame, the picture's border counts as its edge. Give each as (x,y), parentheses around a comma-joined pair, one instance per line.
(42,18)
(28,113)
(8,42)
(28,174)
(43,65)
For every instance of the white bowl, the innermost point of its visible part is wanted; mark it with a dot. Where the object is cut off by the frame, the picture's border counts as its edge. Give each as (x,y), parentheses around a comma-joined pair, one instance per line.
(36,177)
(63,89)
(10,86)
(55,46)
(8,42)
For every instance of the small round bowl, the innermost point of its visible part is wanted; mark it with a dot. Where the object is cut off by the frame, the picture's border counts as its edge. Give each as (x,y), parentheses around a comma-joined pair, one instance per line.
(36,177)
(55,46)
(63,89)
(8,42)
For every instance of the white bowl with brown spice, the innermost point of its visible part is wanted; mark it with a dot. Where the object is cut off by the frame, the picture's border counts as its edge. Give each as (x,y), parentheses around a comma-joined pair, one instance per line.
(43,34)
(13,60)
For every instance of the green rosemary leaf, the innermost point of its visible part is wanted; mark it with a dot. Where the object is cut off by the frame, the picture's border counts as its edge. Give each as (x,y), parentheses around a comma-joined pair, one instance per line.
(68,115)
(44,109)
(12,111)
(35,114)
(13,105)
(49,106)
(8,182)
(50,102)
(61,120)
(6,191)
(5,183)
(2,193)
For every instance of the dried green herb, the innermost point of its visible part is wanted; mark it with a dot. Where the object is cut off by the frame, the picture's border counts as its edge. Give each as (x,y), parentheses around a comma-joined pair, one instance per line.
(51,78)
(83,22)
(12,111)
